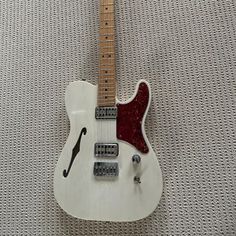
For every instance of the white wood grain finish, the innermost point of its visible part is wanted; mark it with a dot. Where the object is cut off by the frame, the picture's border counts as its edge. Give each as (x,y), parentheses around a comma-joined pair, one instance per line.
(81,194)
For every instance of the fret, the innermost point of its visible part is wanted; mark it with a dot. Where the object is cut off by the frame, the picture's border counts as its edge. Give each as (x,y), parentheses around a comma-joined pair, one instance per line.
(106,69)
(107,46)
(110,83)
(107,81)
(104,20)
(108,12)
(107,30)
(106,87)
(105,25)
(105,41)
(108,53)
(107,58)
(105,17)
(109,27)
(107,61)
(106,74)
(102,76)
(105,99)
(108,4)
(107,64)
(107,93)
(104,102)
(107,34)
(111,36)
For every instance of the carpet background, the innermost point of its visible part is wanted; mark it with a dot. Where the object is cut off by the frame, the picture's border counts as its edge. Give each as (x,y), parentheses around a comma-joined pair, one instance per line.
(186,49)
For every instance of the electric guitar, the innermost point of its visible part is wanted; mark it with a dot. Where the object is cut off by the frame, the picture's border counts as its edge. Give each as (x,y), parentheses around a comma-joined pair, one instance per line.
(107,170)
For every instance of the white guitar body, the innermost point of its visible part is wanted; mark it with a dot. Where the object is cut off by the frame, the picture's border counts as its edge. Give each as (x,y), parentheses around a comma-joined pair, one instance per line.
(85,196)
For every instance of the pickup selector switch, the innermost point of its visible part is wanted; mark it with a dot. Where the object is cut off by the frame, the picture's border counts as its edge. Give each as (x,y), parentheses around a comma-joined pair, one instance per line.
(136,159)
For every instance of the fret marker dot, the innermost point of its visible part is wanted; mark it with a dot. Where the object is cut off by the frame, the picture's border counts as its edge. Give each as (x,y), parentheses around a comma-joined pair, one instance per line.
(105,71)
(105,89)
(105,97)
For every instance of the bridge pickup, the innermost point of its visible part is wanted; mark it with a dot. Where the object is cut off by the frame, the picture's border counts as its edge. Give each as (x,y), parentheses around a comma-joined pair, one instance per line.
(106,169)
(106,149)
(106,113)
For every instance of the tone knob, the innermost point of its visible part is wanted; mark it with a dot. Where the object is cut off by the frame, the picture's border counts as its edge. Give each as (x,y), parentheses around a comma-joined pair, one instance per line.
(136,158)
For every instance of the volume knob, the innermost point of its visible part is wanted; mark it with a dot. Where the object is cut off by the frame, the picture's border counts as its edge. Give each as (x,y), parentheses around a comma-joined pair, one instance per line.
(136,158)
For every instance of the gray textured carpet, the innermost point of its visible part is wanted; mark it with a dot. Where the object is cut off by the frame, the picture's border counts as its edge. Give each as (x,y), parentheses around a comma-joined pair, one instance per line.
(186,49)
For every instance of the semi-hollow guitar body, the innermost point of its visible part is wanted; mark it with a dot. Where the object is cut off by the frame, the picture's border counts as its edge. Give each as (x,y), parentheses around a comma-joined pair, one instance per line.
(128,186)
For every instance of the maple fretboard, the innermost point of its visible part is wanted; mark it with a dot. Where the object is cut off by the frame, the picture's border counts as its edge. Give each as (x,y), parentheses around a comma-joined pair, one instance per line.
(107,80)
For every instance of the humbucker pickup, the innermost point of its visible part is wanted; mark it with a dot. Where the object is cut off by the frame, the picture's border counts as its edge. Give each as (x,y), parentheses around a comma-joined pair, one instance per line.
(106,112)
(106,149)
(106,169)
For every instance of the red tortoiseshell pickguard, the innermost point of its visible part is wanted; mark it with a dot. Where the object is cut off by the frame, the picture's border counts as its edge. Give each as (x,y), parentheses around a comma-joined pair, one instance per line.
(129,119)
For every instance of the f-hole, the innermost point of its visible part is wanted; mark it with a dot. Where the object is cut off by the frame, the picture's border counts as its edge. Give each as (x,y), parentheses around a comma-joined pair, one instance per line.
(75,151)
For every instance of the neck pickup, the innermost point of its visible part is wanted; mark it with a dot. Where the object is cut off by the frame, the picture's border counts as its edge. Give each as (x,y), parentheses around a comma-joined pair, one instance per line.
(106,113)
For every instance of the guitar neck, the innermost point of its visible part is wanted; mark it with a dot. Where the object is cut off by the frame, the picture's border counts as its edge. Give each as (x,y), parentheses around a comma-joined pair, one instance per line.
(107,80)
